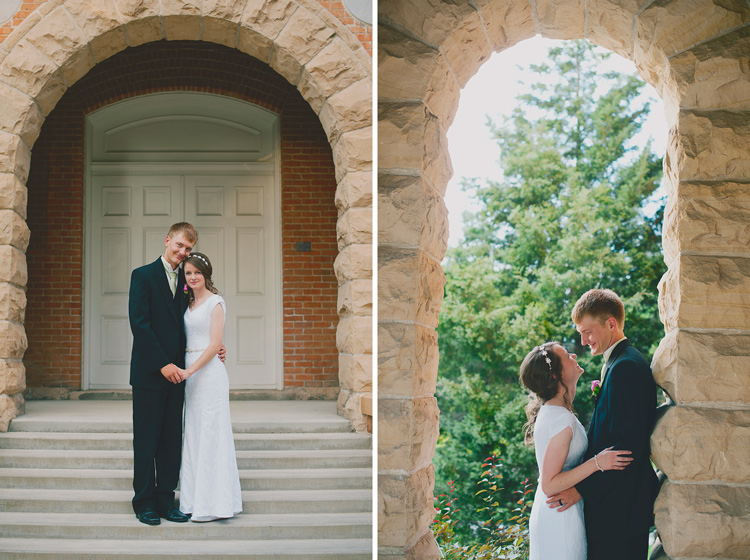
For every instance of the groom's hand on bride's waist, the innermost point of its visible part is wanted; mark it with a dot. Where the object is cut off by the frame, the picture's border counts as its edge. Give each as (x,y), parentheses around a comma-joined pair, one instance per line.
(565,499)
(222,353)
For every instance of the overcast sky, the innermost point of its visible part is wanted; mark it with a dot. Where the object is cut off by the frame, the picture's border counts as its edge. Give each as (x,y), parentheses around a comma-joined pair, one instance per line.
(492,92)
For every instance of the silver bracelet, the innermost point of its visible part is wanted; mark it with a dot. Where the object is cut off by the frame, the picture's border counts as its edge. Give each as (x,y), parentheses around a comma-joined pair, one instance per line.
(596,462)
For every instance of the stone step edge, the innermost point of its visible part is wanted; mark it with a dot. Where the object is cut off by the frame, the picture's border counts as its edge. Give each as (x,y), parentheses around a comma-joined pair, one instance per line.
(321,427)
(241,520)
(127,495)
(133,548)
(332,472)
(245,453)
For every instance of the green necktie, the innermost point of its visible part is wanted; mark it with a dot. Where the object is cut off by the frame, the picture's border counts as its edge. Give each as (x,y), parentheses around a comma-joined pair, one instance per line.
(172,281)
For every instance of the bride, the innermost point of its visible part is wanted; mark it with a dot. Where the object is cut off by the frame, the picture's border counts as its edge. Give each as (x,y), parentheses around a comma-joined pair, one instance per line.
(551,374)
(209,479)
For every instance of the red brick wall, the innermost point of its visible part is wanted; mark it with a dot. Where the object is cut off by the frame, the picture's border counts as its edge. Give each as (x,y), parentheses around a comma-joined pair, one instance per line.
(54,316)
(336,7)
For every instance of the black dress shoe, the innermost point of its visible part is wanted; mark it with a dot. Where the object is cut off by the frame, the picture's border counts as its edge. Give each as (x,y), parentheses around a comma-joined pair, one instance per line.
(175,515)
(148,516)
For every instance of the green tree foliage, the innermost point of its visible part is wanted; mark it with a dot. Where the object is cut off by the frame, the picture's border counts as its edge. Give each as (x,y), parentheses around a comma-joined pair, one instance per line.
(567,216)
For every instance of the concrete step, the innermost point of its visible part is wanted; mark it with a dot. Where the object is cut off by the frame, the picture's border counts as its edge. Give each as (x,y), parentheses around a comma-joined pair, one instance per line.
(122,479)
(88,549)
(124,441)
(333,425)
(119,501)
(241,527)
(123,459)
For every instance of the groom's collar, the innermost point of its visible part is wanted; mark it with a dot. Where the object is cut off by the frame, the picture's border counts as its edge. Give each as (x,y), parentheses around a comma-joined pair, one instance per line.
(608,351)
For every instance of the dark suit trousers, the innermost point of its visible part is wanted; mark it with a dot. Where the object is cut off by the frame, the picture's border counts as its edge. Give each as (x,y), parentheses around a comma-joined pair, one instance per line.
(157,446)
(631,548)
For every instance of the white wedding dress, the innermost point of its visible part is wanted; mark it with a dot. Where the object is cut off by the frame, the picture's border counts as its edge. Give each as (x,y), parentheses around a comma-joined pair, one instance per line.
(209,479)
(557,535)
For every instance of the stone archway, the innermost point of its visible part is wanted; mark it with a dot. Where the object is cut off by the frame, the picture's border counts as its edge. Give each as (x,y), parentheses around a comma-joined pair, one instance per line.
(63,39)
(695,55)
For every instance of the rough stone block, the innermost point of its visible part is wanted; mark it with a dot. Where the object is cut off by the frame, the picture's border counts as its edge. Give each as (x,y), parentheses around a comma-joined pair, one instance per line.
(12,303)
(432,21)
(561,19)
(142,21)
(408,430)
(353,152)
(708,218)
(28,70)
(181,19)
(348,407)
(267,17)
(355,372)
(411,138)
(696,444)
(303,36)
(330,71)
(348,109)
(405,507)
(228,10)
(355,298)
(13,230)
(709,145)
(710,292)
(220,31)
(353,191)
(467,48)
(700,367)
(354,335)
(411,212)
(426,548)
(410,285)
(101,25)
(13,266)
(15,156)
(59,38)
(12,377)
(704,520)
(19,114)
(354,226)
(407,360)
(715,75)
(610,24)
(10,407)
(13,342)
(506,22)
(676,26)
(353,262)
(13,194)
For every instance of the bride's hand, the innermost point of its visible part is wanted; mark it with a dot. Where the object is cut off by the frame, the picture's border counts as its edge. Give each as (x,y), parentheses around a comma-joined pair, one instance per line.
(615,460)
(183,374)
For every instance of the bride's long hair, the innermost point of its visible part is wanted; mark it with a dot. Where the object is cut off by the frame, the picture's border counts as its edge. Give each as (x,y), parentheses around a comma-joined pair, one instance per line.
(201,262)
(542,378)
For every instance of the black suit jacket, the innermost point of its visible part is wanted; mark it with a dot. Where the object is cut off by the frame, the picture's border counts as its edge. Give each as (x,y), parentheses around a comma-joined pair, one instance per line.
(618,504)
(156,320)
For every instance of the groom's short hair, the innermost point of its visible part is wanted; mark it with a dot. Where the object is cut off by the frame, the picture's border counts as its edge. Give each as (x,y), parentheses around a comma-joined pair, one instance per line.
(185,229)
(601,305)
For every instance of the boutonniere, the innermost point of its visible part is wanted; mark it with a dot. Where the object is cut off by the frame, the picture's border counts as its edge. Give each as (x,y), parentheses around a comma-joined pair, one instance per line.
(185,290)
(596,386)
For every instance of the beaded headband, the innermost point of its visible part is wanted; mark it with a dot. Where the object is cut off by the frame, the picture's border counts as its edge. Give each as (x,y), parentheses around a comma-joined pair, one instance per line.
(546,356)
(199,257)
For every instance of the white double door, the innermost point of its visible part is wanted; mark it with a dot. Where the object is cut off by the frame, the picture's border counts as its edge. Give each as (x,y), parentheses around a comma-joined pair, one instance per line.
(236,218)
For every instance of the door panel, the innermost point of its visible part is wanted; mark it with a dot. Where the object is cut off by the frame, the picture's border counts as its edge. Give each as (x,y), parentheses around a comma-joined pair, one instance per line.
(235,219)
(126,231)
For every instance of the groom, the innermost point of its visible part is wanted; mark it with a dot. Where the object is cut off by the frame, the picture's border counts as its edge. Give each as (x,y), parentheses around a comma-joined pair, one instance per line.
(618,505)
(156,306)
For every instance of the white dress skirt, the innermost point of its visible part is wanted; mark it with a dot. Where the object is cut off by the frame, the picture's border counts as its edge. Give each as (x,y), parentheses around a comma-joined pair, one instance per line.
(552,534)
(209,479)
